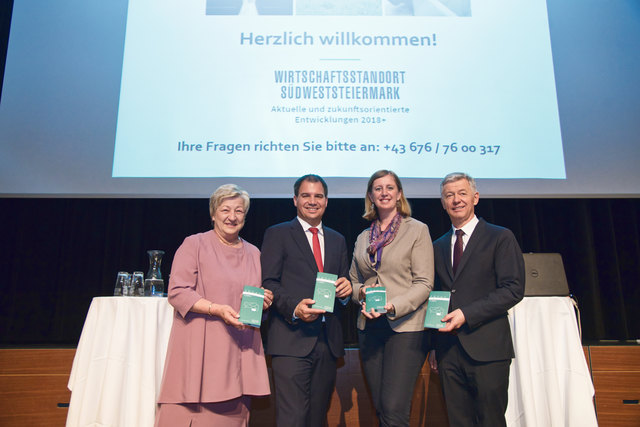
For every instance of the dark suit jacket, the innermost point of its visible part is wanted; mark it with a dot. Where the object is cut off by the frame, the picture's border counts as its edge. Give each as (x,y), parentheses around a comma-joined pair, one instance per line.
(489,281)
(289,271)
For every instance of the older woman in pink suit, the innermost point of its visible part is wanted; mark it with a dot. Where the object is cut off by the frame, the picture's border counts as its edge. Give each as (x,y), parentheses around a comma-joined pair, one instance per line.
(214,363)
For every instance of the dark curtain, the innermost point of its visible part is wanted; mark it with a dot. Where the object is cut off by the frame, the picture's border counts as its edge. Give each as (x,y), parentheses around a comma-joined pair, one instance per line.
(57,254)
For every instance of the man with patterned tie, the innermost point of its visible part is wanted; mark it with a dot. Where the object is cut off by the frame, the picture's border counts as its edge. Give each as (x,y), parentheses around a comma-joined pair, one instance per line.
(304,342)
(481,265)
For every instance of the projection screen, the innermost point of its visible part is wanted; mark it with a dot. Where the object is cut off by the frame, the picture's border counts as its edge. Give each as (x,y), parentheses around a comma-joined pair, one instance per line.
(170,99)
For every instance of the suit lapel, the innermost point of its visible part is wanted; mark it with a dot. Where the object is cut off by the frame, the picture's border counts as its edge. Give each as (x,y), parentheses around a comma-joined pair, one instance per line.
(472,245)
(446,253)
(330,255)
(298,236)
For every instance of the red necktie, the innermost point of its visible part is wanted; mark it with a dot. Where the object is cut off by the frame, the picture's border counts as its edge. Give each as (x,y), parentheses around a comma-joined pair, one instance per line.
(317,253)
(457,250)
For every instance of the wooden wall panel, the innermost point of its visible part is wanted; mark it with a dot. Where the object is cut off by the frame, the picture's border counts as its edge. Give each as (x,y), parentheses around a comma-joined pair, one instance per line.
(351,401)
(428,408)
(33,391)
(613,389)
(33,382)
(615,358)
(33,386)
(616,378)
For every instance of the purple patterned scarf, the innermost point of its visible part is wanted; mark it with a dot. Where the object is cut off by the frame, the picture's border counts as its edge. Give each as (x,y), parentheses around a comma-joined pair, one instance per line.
(379,239)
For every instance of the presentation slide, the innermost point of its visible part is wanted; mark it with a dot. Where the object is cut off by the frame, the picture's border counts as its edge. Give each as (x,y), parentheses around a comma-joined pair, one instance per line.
(165,99)
(278,88)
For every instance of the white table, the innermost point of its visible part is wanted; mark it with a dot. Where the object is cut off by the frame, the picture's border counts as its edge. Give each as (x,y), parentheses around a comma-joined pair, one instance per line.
(549,383)
(117,370)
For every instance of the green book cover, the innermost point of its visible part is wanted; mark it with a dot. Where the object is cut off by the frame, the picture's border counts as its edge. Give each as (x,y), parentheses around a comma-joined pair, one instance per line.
(437,308)
(325,292)
(376,298)
(251,306)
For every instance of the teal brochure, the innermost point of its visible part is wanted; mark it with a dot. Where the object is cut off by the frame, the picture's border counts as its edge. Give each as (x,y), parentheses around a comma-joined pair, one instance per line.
(437,308)
(325,292)
(251,306)
(376,298)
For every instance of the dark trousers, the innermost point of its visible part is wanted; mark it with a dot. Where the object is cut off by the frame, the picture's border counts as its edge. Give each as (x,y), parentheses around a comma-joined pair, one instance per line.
(476,393)
(304,386)
(391,362)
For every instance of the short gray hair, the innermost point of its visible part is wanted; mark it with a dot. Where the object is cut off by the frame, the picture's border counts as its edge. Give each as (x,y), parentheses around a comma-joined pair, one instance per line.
(227,191)
(457,176)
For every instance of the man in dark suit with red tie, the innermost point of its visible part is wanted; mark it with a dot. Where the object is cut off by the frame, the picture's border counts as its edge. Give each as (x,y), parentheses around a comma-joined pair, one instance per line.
(481,265)
(304,342)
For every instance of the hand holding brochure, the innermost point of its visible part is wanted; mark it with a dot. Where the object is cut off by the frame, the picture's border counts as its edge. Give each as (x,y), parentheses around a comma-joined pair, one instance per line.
(376,298)
(437,308)
(325,292)
(251,306)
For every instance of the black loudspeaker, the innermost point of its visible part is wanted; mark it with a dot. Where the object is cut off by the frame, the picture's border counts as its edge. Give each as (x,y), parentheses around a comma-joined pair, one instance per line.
(545,275)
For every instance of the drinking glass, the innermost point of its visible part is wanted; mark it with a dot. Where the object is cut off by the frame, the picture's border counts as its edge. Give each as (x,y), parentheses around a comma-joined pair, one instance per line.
(137,284)
(123,281)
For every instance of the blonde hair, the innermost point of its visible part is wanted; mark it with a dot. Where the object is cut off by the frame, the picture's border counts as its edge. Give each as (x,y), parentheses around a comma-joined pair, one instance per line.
(227,191)
(370,210)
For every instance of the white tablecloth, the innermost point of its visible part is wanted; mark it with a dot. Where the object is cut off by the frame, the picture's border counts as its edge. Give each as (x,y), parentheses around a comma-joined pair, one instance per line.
(117,369)
(549,383)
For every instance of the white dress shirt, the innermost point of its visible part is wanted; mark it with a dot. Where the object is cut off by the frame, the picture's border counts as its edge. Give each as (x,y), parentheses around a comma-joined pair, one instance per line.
(306,226)
(467,229)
